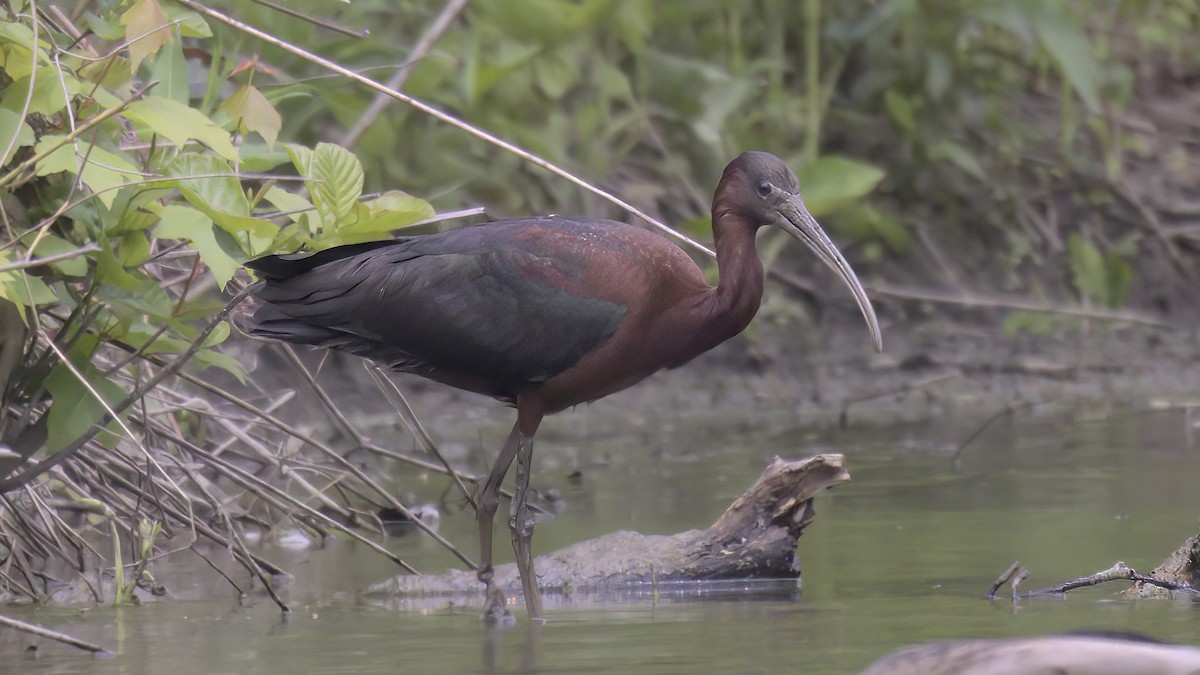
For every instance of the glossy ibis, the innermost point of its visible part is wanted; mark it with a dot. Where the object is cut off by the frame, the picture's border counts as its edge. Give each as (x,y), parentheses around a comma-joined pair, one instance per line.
(541,313)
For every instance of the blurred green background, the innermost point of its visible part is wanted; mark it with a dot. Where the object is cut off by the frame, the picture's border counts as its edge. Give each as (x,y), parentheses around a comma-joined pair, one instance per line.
(1041,148)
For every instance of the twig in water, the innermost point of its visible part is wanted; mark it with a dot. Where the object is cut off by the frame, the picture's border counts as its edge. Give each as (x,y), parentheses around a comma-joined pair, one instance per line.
(1003,579)
(249,561)
(1008,411)
(279,498)
(216,568)
(358,473)
(42,631)
(1020,576)
(1118,572)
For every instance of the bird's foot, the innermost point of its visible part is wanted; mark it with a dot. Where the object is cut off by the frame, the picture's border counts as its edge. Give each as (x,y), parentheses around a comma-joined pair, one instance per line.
(485,575)
(495,609)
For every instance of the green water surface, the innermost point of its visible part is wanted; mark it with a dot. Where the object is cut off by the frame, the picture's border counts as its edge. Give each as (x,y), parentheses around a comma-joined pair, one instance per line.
(901,554)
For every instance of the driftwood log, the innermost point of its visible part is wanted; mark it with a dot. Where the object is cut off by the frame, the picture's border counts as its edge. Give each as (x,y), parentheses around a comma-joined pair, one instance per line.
(754,539)
(1181,567)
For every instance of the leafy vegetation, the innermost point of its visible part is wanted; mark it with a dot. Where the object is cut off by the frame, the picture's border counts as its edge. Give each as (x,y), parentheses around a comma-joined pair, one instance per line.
(987,133)
(124,206)
(146,151)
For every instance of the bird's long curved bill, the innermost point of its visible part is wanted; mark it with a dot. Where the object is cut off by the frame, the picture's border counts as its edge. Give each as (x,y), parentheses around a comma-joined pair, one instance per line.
(798,222)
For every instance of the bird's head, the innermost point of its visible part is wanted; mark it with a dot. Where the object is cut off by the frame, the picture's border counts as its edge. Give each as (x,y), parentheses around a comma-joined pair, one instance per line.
(762,188)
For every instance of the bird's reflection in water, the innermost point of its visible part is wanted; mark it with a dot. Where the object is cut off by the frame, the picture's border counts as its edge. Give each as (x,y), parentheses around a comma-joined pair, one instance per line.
(494,636)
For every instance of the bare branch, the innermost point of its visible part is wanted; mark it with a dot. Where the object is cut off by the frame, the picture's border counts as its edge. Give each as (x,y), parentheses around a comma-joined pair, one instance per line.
(439,26)
(42,631)
(448,119)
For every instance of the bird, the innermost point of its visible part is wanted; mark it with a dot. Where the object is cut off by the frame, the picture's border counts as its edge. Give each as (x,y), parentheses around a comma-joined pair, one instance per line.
(542,313)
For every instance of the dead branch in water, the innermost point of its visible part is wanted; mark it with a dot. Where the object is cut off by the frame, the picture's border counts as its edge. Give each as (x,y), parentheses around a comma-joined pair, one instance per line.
(1118,572)
(42,631)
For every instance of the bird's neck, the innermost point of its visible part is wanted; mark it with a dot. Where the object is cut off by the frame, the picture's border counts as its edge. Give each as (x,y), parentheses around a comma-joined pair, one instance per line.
(739,291)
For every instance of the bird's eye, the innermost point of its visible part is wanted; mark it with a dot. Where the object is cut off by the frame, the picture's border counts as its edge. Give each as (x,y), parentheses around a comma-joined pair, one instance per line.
(764,189)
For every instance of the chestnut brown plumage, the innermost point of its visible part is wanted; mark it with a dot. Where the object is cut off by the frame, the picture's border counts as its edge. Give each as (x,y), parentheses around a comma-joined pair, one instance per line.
(541,313)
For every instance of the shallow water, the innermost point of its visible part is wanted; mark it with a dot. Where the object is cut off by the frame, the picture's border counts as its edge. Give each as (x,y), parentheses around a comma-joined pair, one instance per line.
(901,554)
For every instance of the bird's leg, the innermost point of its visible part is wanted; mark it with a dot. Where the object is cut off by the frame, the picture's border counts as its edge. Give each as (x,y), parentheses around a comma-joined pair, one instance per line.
(488,501)
(521,523)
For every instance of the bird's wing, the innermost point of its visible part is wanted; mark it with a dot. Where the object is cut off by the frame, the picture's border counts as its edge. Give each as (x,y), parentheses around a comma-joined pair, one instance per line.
(478,310)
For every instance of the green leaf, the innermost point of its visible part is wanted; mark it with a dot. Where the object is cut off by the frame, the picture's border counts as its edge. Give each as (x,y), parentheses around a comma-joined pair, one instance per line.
(191,23)
(722,97)
(109,269)
(1120,278)
(862,223)
(479,74)
(16,60)
(103,172)
(135,249)
(206,182)
(612,82)
(251,111)
(140,333)
(900,109)
(135,210)
(546,21)
(103,27)
(832,181)
(145,298)
(338,181)
(110,75)
(1064,39)
(48,95)
(390,211)
(292,204)
(23,288)
(54,245)
(75,409)
(171,71)
(960,157)
(14,129)
(145,30)
(16,33)
(256,157)
(178,123)
(218,335)
(230,222)
(135,219)
(211,358)
(1032,323)
(1088,270)
(939,71)
(554,76)
(212,181)
(181,222)
(302,158)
